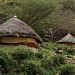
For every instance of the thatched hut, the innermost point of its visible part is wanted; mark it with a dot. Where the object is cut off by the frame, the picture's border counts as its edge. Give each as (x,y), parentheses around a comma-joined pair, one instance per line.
(16,32)
(68,40)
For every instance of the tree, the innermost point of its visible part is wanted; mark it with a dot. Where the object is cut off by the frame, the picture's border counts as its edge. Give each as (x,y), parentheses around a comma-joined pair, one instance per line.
(48,17)
(29,11)
(3,18)
(59,23)
(69,5)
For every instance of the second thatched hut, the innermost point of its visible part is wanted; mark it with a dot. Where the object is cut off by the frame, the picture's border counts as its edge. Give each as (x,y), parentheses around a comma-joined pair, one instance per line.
(68,40)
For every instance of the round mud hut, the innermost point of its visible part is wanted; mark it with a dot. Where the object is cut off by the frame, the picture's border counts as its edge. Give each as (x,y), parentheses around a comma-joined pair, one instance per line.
(68,40)
(15,32)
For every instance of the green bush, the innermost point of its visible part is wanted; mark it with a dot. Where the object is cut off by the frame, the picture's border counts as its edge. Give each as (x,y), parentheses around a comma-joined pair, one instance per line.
(68,69)
(70,51)
(47,63)
(58,60)
(22,54)
(23,61)
(52,63)
(4,62)
(30,68)
(39,55)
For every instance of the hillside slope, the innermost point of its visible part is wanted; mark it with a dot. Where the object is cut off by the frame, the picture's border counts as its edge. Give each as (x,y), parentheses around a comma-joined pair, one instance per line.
(48,59)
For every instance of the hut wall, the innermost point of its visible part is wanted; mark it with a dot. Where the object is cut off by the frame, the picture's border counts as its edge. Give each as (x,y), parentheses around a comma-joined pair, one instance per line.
(71,45)
(16,40)
(68,44)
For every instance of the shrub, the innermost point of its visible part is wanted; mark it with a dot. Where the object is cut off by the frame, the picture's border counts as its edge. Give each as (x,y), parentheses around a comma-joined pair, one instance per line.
(58,60)
(22,54)
(22,61)
(71,51)
(49,46)
(39,55)
(68,69)
(6,63)
(30,68)
(47,63)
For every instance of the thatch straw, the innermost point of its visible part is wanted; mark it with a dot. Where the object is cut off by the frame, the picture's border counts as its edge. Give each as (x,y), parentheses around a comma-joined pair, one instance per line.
(16,28)
(67,39)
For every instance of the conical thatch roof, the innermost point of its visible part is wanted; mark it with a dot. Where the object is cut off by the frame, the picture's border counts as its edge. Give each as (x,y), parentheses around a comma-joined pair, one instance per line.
(17,28)
(67,39)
